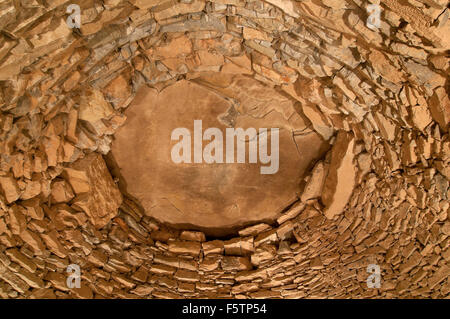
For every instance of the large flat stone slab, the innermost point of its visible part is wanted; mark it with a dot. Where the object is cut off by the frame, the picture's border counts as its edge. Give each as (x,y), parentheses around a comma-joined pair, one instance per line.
(218,196)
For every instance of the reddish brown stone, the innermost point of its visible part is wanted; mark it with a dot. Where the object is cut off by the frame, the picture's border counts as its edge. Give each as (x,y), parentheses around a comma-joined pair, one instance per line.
(96,193)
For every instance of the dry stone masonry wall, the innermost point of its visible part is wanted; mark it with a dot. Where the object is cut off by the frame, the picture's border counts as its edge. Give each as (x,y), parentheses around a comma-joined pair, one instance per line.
(378,96)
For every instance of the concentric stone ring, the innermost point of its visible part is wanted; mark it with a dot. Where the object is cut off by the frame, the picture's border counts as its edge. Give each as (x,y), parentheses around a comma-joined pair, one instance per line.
(101,198)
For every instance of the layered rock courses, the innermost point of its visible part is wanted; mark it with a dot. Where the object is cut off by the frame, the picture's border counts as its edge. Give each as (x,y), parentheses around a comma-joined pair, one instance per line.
(363,113)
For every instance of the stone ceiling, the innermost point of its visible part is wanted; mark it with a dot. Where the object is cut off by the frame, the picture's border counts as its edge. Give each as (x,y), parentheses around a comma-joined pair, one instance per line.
(378,96)
(216,198)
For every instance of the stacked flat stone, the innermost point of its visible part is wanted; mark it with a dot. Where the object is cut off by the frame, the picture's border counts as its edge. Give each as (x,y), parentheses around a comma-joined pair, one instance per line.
(379,97)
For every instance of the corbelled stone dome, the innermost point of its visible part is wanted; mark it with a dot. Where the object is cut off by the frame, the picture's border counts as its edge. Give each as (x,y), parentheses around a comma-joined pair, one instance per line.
(357,89)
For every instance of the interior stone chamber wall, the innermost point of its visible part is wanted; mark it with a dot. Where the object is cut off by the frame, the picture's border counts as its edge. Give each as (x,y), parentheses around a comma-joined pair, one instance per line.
(379,196)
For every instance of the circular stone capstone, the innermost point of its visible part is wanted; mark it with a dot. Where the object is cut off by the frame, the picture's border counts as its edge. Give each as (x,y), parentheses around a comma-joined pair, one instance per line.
(212,197)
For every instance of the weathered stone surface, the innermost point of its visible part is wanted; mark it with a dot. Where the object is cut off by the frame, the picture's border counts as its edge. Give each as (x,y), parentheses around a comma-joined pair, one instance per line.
(316,69)
(213,247)
(34,210)
(180,8)
(34,241)
(14,281)
(385,68)
(32,189)
(94,109)
(209,196)
(25,262)
(53,243)
(185,247)
(17,219)
(96,193)
(313,188)
(145,4)
(293,212)
(266,237)
(186,275)
(10,188)
(177,47)
(61,192)
(31,279)
(440,107)
(340,179)
(254,230)
(192,236)
(232,263)
(84,292)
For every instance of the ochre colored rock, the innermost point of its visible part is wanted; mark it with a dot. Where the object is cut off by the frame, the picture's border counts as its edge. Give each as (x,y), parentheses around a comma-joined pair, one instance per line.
(94,109)
(61,192)
(95,191)
(313,188)
(217,195)
(10,188)
(17,219)
(317,69)
(340,180)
